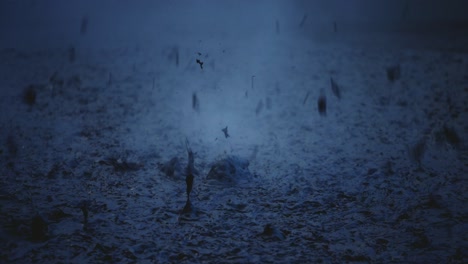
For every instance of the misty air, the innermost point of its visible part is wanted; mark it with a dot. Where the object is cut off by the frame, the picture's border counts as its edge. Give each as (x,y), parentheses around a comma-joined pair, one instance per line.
(234,131)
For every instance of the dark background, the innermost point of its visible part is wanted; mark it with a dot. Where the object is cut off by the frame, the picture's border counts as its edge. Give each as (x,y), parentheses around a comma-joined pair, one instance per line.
(55,23)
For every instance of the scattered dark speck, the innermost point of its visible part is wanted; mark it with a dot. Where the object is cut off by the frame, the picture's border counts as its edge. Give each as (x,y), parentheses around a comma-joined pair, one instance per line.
(84,25)
(452,136)
(38,228)
(29,95)
(225,131)
(335,88)
(200,63)
(259,108)
(393,73)
(195,103)
(322,105)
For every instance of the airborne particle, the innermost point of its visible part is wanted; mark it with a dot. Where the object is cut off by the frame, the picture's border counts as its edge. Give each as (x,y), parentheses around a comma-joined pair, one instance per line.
(225,131)
(335,88)
(259,107)
(305,98)
(174,55)
(393,73)
(84,25)
(304,18)
(29,95)
(195,102)
(190,170)
(322,105)
(201,63)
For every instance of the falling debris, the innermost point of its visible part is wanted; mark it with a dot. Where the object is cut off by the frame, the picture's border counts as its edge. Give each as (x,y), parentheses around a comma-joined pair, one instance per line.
(305,98)
(195,103)
(29,95)
(335,88)
(259,107)
(393,73)
(190,170)
(304,18)
(84,25)
(322,105)
(225,131)
(201,63)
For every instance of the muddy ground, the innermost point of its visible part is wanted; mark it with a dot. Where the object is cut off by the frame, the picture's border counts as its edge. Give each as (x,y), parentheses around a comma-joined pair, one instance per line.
(379,176)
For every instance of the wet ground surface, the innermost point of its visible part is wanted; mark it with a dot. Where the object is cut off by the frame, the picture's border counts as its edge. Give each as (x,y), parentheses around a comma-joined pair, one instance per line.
(381,177)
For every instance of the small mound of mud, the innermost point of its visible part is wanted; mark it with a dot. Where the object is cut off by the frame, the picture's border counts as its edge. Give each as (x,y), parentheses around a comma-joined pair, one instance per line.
(230,169)
(171,168)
